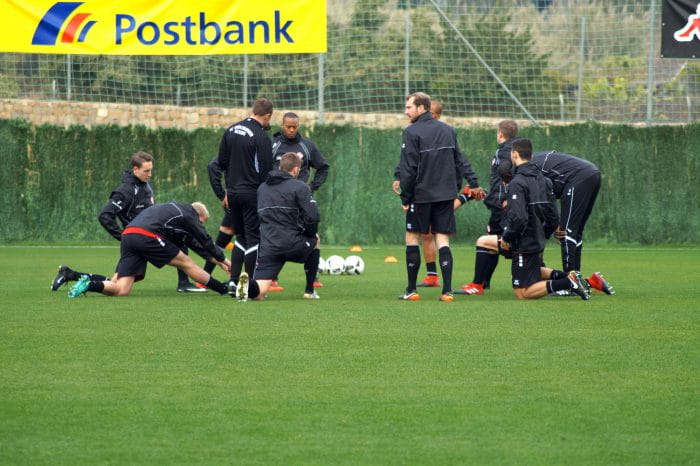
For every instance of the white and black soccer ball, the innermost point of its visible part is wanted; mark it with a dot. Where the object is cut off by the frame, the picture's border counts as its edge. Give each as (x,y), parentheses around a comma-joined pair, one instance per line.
(354,265)
(322,267)
(335,265)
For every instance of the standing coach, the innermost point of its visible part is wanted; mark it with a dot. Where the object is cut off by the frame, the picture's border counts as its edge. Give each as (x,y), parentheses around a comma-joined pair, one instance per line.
(245,155)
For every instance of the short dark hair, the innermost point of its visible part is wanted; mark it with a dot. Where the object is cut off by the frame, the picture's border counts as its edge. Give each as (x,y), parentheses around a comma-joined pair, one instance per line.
(523,147)
(262,107)
(138,159)
(508,128)
(421,98)
(289,161)
(438,106)
(290,115)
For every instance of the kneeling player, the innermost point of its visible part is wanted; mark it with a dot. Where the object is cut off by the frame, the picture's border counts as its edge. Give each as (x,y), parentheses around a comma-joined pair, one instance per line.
(288,224)
(157,235)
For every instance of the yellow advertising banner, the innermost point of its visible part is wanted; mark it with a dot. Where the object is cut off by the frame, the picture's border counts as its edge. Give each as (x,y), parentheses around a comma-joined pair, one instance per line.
(164,27)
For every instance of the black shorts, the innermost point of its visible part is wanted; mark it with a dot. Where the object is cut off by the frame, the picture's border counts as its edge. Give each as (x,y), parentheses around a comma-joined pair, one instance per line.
(227,221)
(435,217)
(137,250)
(525,269)
(243,208)
(269,266)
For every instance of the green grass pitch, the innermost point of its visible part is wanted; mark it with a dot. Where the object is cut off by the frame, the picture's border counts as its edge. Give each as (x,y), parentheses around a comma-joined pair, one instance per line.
(357,377)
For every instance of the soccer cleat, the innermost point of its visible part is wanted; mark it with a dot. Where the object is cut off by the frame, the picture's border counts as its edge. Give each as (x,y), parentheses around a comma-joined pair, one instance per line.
(598,282)
(318,284)
(562,293)
(61,277)
(80,288)
(431,281)
(242,288)
(472,288)
(579,285)
(231,288)
(275,286)
(410,296)
(447,297)
(190,288)
(313,295)
(199,285)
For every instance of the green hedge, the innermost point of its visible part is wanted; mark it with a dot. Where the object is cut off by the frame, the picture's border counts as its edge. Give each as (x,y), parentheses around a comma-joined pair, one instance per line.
(55,180)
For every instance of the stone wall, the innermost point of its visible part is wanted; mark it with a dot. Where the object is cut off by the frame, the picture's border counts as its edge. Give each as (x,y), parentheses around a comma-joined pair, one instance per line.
(66,113)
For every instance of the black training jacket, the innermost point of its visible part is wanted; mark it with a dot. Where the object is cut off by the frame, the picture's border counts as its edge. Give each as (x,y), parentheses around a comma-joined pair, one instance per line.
(531,215)
(288,215)
(125,202)
(245,154)
(430,167)
(179,223)
(313,158)
(215,174)
(563,169)
(495,196)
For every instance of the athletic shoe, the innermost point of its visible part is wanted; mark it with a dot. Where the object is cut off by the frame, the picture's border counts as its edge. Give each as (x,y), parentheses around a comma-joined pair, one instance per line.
(409,296)
(472,288)
(313,295)
(61,277)
(275,286)
(431,281)
(80,287)
(199,285)
(598,282)
(190,288)
(231,288)
(318,284)
(579,285)
(447,297)
(562,294)
(242,288)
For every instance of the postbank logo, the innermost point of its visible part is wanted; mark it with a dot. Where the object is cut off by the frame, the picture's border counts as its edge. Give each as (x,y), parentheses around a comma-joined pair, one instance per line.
(52,22)
(164,27)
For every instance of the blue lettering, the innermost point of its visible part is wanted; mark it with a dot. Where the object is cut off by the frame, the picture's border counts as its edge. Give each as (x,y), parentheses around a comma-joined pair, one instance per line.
(283,30)
(188,23)
(251,33)
(235,35)
(156,33)
(121,29)
(203,25)
(168,29)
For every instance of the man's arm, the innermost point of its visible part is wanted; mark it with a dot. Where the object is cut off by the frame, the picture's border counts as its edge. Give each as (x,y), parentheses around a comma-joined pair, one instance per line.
(215,176)
(551,213)
(464,168)
(309,211)
(320,165)
(199,239)
(408,167)
(264,146)
(516,214)
(108,215)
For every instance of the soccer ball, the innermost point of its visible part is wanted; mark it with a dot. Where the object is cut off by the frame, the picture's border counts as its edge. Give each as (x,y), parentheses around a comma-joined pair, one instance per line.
(354,265)
(322,266)
(335,265)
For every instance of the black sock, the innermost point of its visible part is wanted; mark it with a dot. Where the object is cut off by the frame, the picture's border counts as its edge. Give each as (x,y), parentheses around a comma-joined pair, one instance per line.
(73,276)
(250,259)
(311,268)
(253,289)
(96,286)
(222,241)
(432,268)
(484,265)
(559,284)
(557,274)
(412,266)
(216,285)
(445,255)
(237,257)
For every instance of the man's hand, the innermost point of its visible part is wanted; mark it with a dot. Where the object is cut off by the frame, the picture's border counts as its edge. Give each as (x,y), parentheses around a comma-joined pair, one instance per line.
(504,245)
(225,265)
(560,234)
(457,204)
(225,201)
(395,187)
(478,193)
(405,207)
